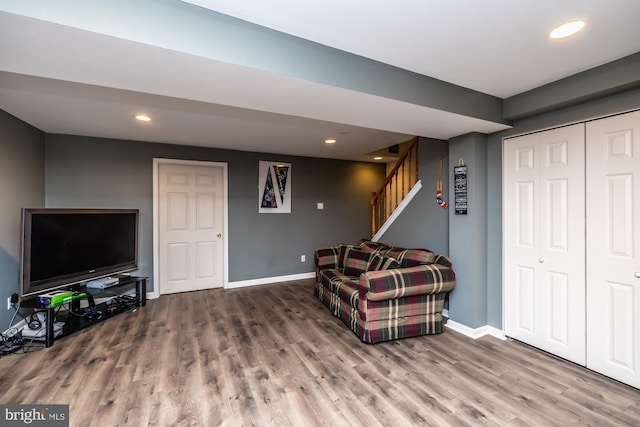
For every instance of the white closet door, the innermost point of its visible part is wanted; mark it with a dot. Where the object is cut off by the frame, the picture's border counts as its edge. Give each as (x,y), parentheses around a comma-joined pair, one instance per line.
(544,243)
(613,247)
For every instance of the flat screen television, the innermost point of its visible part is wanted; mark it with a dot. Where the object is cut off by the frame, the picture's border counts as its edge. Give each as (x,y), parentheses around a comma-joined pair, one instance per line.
(62,247)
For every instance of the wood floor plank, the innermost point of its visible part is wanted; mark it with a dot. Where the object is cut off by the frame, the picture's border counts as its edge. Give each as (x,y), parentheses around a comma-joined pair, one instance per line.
(328,379)
(272,355)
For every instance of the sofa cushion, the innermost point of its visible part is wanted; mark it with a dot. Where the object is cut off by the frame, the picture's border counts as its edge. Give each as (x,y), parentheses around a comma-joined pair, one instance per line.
(326,258)
(342,254)
(415,257)
(345,287)
(348,292)
(381,262)
(356,262)
(370,246)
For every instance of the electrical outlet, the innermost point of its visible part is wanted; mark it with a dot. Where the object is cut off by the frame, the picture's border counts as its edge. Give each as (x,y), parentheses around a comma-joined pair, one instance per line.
(8,303)
(303,258)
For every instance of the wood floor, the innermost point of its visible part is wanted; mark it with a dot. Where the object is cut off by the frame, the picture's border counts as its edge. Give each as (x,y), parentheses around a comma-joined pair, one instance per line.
(272,355)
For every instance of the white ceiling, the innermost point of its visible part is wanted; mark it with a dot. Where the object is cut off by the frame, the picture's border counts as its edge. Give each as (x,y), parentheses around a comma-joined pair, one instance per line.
(61,77)
(499,47)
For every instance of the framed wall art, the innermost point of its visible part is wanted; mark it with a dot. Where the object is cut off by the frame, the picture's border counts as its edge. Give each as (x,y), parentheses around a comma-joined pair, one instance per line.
(460,188)
(274,187)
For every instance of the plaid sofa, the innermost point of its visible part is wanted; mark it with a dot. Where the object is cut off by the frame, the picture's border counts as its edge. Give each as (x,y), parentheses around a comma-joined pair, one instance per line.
(383,292)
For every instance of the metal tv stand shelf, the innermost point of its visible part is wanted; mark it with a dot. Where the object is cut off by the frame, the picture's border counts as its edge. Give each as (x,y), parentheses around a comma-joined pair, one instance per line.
(75,318)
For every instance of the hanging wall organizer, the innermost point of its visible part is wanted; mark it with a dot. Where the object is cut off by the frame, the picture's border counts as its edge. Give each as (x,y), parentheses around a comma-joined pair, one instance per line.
(460,187)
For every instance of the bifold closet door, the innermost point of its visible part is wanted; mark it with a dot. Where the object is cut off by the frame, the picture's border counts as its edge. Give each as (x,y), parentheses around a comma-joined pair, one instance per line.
(543,241)
(613,247)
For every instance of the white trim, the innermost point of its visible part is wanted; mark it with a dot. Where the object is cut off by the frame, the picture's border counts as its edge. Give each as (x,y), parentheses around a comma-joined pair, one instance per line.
(267,280)
(396,213)
(225,257)
(477,332)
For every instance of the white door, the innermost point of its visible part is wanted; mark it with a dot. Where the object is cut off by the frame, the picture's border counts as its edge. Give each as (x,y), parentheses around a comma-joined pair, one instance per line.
(190,226)
(613,247)
(543,242)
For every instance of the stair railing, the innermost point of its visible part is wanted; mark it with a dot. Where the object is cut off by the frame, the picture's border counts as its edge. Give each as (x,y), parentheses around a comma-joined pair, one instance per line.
(399,182)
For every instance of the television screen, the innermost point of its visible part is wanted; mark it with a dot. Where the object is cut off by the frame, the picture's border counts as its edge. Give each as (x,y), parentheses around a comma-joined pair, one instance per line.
(61,247)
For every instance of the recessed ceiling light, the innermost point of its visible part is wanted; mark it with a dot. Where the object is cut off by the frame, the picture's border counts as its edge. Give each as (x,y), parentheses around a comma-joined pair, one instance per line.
(329,141)
(377,158)
(142,118)
(567,29)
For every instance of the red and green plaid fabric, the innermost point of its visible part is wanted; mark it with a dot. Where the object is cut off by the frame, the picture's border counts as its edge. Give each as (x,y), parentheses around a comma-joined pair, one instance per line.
(403,327)
(384,292)
(344,287)
(326,258)
(376,321)
(380,262)
(343,252)
(414,257)
(370,246)
(356,262)
(443,260)
(417,305)
(401,282)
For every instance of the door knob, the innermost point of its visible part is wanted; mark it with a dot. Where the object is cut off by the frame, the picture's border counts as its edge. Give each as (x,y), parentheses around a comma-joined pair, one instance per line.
(219,235)
(637,274)
(540,260)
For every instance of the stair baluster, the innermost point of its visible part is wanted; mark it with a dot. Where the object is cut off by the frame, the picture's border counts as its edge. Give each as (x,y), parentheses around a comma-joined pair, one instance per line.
(399,182)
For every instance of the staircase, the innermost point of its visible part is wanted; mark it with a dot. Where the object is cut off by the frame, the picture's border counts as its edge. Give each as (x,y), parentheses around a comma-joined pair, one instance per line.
(399,183)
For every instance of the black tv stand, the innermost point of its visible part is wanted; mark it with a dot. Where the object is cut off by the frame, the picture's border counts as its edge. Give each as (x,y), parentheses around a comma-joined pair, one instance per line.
(118,300)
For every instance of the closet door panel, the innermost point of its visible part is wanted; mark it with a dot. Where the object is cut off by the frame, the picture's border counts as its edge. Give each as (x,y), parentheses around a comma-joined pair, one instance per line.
(521,228)
(613,247)
(562,245)
(544,235)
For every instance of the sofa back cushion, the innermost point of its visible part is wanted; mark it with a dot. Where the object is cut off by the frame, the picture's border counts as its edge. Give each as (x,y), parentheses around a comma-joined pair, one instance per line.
(369,246)
(381,262)
(326,257)
(372,256)
(356,261)
(342,254)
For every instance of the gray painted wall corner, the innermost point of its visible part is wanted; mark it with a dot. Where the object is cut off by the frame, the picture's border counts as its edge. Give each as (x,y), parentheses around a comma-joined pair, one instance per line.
(468,233)
(22,150)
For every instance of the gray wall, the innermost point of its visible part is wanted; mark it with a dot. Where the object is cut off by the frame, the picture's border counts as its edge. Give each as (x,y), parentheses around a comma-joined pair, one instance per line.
(93,172)
(468,233)
(21,185)
(424,224)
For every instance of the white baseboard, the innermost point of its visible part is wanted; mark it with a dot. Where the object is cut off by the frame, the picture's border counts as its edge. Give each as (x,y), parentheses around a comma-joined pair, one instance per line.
(153,294)
(254,282)
(267,280)
(471,332)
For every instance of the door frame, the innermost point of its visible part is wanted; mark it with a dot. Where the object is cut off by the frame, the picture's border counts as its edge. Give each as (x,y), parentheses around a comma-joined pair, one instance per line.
(225,198)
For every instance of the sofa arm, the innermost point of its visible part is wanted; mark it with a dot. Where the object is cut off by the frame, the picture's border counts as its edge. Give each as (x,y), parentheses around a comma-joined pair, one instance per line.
(442,260)
(326,257)
(403,282)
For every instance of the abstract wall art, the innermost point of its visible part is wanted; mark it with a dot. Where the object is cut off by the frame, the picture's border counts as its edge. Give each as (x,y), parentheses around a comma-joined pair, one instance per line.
(274,187)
